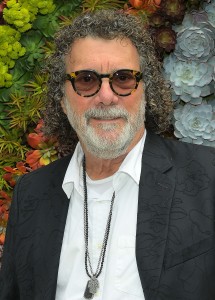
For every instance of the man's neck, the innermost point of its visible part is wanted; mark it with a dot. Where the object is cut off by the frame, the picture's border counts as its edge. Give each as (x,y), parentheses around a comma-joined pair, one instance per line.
(98,168)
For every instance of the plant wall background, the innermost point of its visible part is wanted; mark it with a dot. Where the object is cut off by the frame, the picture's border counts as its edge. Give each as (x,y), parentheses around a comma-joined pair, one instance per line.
(184,35)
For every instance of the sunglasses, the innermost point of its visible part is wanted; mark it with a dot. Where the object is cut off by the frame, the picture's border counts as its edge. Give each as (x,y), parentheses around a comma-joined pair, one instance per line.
(87,83)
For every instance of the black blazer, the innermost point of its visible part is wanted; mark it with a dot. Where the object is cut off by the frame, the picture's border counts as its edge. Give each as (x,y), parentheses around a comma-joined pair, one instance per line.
(175,239)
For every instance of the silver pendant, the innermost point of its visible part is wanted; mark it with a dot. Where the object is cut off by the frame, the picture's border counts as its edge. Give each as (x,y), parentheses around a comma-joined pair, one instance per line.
(91,288)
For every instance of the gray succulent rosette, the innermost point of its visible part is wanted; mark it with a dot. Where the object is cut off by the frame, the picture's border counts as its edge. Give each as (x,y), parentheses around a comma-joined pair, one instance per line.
(196,43)
(195,124)
(190,70)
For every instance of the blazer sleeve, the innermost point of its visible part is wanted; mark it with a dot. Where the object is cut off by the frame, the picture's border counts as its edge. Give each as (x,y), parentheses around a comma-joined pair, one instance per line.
(8,280)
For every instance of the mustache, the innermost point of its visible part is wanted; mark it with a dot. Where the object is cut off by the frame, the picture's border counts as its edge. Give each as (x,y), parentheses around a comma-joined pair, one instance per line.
(106,113)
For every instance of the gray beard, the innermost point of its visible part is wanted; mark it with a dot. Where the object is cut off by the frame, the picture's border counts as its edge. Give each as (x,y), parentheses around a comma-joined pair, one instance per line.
(101,146)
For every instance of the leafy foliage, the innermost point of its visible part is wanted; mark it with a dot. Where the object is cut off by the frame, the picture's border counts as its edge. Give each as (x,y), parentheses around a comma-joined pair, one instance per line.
(11,143)
(68,8)
(47,25)
(23,110)
(33,41)
(92,5)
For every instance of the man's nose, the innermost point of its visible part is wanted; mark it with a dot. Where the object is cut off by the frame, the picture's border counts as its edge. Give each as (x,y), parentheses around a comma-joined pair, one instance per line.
(105,95)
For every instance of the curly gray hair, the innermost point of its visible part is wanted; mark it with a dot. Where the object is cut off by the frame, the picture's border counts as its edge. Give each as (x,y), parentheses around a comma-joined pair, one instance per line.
(105,24)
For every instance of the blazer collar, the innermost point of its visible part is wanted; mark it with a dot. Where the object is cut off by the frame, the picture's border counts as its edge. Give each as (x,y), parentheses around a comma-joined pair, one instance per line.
(53,233)
(155,197)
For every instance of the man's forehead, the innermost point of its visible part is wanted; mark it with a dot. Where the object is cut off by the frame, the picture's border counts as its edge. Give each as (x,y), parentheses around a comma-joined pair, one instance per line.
(89,40)
(92,49)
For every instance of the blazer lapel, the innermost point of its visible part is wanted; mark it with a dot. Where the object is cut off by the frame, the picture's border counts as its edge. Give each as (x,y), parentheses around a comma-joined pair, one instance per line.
(52,236)
(155,198)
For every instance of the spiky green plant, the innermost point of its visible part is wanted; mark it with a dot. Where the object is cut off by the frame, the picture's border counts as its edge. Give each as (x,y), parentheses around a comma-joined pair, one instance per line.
(92,5)
(11,143)
(37,87)
(23,110)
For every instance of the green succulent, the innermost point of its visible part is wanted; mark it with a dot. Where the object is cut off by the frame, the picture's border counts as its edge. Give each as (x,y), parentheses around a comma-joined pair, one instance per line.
(66,8)
(48,24)
(33,41)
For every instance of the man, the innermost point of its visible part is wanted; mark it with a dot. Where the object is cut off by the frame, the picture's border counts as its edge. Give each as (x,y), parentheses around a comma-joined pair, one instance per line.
(129,215)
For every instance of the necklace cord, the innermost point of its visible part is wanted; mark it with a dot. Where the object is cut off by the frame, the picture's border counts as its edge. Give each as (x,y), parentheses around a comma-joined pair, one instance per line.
(86,231)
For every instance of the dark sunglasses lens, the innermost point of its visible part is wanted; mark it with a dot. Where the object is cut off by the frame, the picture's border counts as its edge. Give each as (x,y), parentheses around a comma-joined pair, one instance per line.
(86,83)
(123,82)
